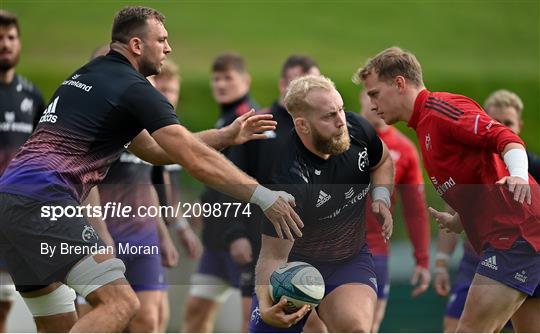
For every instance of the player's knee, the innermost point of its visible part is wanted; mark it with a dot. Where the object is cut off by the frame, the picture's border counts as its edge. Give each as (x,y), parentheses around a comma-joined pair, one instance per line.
(145,322)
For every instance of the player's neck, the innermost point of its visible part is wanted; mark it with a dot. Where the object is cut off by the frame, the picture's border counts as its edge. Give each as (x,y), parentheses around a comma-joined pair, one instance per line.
(409,101)
(122,49)
(6,77)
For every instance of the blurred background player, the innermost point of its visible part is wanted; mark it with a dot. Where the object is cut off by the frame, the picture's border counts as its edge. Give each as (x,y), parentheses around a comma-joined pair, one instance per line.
(479,167)
(20,104)
(257,159)
(218,271)
(328,163)
(409,183)
(167,181)
(505,107)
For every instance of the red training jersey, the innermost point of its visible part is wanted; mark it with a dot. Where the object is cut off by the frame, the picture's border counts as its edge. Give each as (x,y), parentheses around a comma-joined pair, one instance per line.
(409,184)
(461,149)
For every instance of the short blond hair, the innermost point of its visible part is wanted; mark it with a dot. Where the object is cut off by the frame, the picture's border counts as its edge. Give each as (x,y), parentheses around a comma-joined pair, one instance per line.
(503,98)
(390,63)
(295,99)
(169,70)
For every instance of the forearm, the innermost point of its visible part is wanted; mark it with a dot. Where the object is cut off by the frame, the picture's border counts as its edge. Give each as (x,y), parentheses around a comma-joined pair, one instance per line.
(516,160)
(218,139)
(382,175)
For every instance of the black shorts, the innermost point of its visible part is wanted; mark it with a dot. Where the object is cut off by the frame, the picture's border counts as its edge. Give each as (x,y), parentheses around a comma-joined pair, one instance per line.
(26,240)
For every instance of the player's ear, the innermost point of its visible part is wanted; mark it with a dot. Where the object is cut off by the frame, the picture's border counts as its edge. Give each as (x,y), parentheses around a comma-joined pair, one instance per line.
(400,82)
(301,125)
(135,45)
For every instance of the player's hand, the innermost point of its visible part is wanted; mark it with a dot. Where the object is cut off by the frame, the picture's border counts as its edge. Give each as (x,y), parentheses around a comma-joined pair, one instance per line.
(275,315)
(241,251)
(447,221)
(283,217)
(384,216)
(169,254)
(190,242)
(519,187)
(250,126)
(420,279)
(441,281)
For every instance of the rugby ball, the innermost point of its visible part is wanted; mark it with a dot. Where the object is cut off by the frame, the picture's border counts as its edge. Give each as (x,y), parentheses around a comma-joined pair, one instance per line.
(299,282)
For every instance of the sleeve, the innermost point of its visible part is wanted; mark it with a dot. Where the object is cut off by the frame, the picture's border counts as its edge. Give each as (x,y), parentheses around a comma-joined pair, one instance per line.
(149,107)
(360,127)
(159,184)
(40,107)
(474,128)
(411,191)
(534,165)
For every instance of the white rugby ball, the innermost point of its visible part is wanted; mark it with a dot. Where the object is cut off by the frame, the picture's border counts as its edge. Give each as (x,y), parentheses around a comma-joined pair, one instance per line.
(299,282)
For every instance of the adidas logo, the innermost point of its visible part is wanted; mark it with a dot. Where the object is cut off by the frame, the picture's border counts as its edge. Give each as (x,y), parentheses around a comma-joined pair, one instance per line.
(323,198)
(491,262)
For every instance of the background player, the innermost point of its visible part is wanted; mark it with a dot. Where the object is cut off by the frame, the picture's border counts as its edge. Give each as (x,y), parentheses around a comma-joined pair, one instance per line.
(409,183)
(507,108)
(220,265)
(20,103)
(328,163)
(463,146)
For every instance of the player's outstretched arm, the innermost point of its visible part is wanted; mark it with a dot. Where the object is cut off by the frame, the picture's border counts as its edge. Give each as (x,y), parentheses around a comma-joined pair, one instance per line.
(382,176)
(274,252)
(212,168)
(515,158)
(244,128)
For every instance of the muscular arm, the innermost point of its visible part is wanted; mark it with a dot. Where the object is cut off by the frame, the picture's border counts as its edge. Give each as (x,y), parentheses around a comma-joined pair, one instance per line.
(97,223)
(274,252)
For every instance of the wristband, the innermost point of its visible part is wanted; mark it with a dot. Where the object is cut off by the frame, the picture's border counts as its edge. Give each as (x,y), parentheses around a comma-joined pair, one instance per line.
(381,194)
(517,163)
(263,197)
(440,270)
(442,256)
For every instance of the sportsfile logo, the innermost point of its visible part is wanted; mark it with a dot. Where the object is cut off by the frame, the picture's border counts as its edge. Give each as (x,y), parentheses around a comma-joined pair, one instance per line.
(323,198)
(491,262)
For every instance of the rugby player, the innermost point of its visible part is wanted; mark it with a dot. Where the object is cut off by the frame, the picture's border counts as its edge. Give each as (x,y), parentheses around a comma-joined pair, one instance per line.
(257,159)
(103,107)
(20,102)
(223,261)
(329,163)
(409,183)
(479,167)
(505,107)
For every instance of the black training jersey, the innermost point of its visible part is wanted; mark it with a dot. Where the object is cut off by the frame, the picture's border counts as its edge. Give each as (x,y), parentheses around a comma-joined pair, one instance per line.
(257,158)
(91,118)
(20,102)
(215,227)
(330,194)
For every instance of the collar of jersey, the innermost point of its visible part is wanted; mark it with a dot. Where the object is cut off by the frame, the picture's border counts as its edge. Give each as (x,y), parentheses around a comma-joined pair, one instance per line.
(418,104)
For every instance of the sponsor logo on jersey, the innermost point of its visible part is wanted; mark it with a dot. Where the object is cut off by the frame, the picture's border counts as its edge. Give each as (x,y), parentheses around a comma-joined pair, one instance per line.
(522,276)
(323,198)
(359,197)
(49,115)
(9,124)
(490,262)
(317,172)
(443,188)
(363,160)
